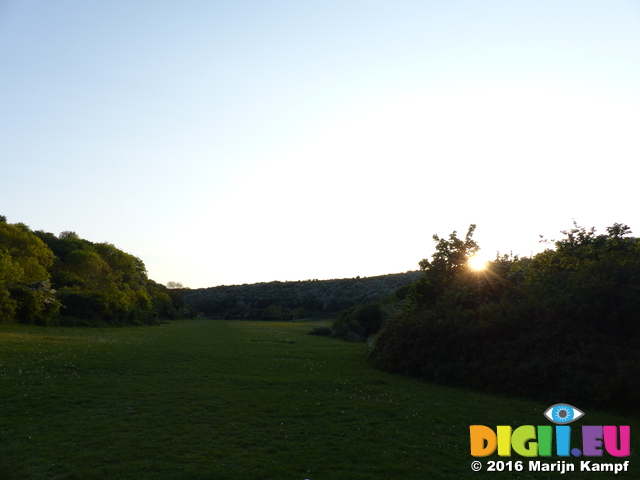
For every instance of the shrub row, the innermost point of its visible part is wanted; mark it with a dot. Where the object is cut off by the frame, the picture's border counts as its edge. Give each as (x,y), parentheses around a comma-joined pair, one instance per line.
(562,326)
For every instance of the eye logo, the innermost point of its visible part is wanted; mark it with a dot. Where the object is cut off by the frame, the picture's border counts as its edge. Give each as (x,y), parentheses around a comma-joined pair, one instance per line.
(563,413)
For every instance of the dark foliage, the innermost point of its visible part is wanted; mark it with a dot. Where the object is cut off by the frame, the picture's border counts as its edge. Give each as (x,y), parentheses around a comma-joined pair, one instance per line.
(359,322)
(322,330)
(561,326)
(302,299)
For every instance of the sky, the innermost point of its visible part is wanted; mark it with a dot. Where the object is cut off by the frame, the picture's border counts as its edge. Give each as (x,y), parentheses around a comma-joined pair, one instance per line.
(251,141)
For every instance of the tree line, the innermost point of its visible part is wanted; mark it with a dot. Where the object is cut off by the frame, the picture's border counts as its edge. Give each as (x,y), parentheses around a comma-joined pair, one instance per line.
(294,300)
(563,325)
(65,280)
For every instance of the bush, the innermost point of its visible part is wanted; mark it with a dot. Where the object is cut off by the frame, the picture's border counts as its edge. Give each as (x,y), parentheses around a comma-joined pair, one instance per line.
(320,330)
(359,322)
(299,313)
(563,324)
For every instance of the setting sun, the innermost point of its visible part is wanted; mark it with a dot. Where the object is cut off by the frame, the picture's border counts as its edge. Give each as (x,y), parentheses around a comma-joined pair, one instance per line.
(477,262)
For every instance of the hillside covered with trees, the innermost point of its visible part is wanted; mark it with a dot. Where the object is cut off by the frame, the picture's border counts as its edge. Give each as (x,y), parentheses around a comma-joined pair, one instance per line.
(64,280)
(291,300)
(561,326)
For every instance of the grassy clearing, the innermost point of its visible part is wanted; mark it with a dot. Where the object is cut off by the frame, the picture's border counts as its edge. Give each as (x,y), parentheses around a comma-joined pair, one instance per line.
(224,400)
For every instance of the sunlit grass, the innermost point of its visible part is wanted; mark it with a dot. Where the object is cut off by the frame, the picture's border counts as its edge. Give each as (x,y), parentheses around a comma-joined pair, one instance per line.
(216,399)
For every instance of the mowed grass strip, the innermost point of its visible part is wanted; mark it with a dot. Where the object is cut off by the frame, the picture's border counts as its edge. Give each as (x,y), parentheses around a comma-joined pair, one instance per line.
(206,399)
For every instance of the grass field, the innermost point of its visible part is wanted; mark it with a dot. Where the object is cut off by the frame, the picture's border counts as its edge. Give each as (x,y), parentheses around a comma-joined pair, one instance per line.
(205,399)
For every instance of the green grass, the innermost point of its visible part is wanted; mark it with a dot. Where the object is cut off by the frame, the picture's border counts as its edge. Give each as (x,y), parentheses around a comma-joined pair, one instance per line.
(224,400)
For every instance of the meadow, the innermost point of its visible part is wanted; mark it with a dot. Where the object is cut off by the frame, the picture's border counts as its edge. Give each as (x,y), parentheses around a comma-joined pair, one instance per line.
(206,399)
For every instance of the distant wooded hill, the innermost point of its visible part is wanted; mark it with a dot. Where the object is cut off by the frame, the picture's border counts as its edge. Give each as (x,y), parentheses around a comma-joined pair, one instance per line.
(299,299)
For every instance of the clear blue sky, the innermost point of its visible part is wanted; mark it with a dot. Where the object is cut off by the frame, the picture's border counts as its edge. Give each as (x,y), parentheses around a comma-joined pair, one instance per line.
(237,142)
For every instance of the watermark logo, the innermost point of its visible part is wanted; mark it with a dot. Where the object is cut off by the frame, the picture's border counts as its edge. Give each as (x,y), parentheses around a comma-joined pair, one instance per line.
(539,441)
(562,413)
